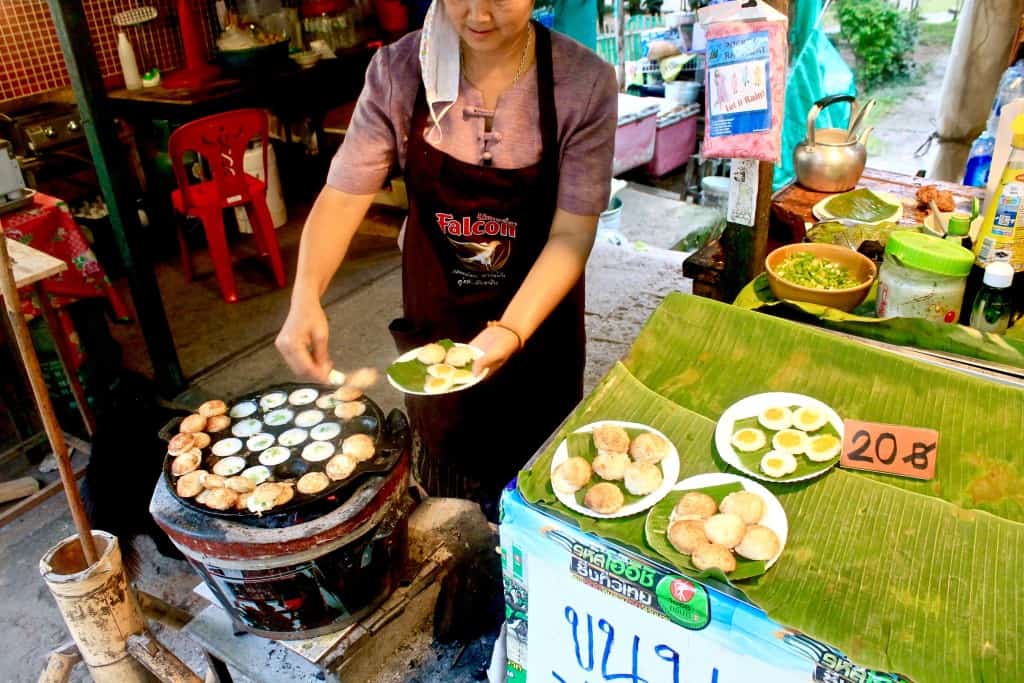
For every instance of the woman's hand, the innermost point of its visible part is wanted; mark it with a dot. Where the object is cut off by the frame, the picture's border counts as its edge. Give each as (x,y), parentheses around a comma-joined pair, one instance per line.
(498,345)
(302,340)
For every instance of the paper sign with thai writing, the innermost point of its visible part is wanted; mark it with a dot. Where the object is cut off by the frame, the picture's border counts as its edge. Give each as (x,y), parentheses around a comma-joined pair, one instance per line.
(890,449)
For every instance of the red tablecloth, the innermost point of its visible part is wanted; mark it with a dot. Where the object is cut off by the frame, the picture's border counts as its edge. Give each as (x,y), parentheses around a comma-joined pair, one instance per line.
(47,225)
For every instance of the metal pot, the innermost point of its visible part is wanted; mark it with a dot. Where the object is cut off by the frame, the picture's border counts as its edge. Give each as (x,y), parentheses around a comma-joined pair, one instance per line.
(830,159)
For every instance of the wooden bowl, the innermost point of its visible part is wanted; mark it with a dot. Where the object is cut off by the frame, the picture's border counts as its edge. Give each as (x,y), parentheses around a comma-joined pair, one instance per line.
(861,267)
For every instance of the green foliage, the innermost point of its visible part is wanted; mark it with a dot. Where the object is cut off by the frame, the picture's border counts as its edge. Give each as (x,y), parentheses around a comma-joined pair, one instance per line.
(938,34)
(882,39)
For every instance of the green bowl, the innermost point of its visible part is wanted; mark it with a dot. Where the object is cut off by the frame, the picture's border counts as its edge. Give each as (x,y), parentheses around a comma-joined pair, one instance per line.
(255,57)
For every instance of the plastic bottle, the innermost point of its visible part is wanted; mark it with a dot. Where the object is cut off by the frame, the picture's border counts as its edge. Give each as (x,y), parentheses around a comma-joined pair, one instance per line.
(1011,87)
(129,67)
(979,160)
(993,306)
(958,230)
(1001,237)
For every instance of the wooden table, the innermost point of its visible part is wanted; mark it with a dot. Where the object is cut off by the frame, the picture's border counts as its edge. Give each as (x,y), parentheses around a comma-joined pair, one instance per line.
(791,210)
(791,206)
(31,267)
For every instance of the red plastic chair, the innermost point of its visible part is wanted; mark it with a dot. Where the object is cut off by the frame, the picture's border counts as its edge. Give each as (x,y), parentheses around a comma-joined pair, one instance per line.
(221,140)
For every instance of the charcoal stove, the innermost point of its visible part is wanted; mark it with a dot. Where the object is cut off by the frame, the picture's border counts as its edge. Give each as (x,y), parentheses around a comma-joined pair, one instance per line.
(317,565)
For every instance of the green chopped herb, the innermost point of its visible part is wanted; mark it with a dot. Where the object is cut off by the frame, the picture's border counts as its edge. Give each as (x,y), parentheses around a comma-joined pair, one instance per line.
(807,270)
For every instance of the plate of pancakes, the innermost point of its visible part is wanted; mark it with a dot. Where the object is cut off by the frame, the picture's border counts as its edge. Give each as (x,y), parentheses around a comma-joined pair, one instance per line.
(612,468)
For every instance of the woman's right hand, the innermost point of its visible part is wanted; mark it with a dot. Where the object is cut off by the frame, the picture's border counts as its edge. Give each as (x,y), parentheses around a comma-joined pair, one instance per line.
(302,340)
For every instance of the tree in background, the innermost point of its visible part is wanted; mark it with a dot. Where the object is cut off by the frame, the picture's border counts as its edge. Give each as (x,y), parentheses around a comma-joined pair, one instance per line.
(882,38)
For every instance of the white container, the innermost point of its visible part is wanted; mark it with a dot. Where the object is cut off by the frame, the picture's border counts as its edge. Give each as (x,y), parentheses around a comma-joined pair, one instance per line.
(922,277)
(11,179)
(683,92)
(714,193)
(634,137)
(275,199)
(609,224)
(129,67)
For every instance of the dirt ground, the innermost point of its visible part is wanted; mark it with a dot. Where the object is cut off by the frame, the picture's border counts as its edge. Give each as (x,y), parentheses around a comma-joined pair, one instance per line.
(905,115)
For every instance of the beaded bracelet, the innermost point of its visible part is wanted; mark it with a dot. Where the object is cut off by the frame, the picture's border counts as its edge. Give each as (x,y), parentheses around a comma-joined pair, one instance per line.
(496,323)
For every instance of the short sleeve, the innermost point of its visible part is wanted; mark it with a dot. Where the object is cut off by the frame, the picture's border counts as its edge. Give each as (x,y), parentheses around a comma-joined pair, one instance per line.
(584,183)
(369,151)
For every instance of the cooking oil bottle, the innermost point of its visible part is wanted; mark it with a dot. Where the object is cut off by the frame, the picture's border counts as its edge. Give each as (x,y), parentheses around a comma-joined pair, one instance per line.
(1001,237)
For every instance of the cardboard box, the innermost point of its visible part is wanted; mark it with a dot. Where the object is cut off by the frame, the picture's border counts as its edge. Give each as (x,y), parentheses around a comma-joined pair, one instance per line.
(582,609)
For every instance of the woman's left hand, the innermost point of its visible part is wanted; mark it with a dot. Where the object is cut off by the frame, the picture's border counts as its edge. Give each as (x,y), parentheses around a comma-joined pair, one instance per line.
(498,345)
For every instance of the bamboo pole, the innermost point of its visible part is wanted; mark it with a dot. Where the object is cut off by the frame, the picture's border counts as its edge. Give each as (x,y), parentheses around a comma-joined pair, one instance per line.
(23,340)
(60,664)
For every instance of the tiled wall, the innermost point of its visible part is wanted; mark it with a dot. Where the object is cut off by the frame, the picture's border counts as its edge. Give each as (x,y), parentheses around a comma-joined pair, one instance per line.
(30,58)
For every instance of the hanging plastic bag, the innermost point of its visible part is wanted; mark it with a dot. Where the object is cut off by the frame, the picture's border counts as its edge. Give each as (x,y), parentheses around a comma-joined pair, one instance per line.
(747,59)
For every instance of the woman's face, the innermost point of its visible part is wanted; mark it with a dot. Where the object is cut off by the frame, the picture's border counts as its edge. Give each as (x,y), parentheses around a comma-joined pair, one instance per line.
(489,25)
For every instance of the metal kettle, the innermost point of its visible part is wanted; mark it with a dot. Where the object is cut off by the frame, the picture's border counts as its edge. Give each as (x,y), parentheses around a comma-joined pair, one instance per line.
(832,159)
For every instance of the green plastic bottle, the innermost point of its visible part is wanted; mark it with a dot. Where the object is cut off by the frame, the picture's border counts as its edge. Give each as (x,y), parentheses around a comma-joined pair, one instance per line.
(993,306)
(958,230)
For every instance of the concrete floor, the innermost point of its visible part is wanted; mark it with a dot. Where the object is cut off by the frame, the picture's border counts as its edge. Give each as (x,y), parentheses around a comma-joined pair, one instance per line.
(230,352)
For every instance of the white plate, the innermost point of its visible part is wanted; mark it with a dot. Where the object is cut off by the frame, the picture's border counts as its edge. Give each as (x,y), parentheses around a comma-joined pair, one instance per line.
(752,406)
(821,213)
(669,472)
(411,355)
(774,515)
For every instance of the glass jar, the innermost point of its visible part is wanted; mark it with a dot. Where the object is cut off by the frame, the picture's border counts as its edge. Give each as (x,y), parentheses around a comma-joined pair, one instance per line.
(922,277)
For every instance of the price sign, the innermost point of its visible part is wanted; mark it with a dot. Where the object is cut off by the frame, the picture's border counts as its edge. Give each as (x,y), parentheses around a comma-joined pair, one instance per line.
(890,449)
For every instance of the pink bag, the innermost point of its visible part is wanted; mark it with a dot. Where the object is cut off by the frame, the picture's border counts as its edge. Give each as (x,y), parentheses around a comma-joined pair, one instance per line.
(745,88)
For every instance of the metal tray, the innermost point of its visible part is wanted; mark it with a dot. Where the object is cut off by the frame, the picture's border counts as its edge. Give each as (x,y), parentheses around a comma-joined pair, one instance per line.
(8,205)
(391,436)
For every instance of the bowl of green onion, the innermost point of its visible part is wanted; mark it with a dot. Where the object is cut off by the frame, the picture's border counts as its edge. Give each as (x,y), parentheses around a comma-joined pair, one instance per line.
(824,274)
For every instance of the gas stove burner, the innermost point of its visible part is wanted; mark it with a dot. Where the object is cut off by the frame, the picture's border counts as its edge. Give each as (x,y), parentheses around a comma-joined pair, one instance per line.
(42,128)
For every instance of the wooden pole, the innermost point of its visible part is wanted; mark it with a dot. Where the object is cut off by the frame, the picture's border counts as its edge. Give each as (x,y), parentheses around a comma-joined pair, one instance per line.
(745,246)
(23,340)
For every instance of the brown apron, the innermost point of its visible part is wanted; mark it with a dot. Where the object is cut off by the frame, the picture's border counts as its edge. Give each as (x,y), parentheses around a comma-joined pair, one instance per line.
(472,236)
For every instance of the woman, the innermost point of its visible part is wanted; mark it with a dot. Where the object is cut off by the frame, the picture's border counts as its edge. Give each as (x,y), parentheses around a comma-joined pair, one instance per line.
(505,133)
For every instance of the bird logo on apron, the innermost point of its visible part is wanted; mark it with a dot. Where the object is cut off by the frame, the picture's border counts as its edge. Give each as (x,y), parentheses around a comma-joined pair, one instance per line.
(485,248)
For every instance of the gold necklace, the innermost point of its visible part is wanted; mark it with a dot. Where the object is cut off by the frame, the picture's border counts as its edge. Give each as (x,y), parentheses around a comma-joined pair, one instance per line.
(522,57)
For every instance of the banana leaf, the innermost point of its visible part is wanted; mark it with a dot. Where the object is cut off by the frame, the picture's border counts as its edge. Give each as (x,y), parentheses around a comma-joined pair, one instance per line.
(915,332)
(852,236)
(907,576)
(804,465)
(861,205)
(656,535)
(413,374)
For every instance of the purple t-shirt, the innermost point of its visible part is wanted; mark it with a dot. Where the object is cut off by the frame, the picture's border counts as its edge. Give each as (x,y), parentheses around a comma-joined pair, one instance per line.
(585,100)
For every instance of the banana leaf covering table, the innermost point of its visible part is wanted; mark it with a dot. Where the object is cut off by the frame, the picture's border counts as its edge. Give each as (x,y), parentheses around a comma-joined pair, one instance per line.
(917,578)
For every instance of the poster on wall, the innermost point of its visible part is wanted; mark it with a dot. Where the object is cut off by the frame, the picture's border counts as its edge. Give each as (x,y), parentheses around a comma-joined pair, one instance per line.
(738,76)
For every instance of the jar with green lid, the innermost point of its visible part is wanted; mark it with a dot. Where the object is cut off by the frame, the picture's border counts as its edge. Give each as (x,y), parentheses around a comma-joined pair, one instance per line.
(922,277)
